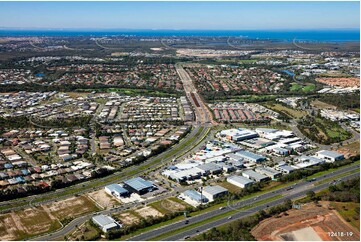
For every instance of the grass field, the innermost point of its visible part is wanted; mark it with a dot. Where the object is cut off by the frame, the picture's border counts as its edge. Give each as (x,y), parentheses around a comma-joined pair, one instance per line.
(348,211)
(290,112)
(305,88)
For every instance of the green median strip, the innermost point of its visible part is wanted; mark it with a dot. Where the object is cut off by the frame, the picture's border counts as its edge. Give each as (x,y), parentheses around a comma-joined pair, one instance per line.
(217,217)
(337,177)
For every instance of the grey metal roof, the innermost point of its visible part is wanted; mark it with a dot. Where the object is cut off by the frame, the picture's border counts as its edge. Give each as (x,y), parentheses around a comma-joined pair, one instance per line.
(250,155)
(117,188)
(103,220)
(254,174)
(214,190)
(193,194)
(138,183)
(330,153)
(240,179)
(209,167)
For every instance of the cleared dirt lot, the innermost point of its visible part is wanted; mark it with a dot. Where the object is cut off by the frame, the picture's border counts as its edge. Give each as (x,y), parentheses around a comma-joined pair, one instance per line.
(70,207)
(148,212)
(25,223)
(321,220)
(128,218)
(33,221)
(103,199)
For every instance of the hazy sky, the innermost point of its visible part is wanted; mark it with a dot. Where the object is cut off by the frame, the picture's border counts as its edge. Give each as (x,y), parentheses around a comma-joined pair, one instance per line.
(181,15)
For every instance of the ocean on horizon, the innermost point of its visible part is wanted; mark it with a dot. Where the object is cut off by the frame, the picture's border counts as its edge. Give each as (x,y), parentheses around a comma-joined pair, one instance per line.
(344,35)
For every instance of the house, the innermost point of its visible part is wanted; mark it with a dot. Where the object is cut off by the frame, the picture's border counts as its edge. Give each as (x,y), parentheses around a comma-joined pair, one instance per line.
(213,192)
(330,156)
(106,223)
(240,181)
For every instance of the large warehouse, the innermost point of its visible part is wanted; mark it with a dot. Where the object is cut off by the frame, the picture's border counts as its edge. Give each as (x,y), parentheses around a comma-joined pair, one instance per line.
(250,156)
(240,181)
(139,185)
(116,190)
(330,156)
(258,177)
(213,192)
(106,223)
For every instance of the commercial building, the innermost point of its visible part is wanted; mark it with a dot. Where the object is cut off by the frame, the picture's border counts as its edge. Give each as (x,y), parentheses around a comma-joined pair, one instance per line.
(268,171)
(286,169)
(116,190)
(240,181)
(250,174)
(330,156)
(195,196)
(213,192)
(250,156)
(139,185)
(238,134)
(209,168)
(106,223)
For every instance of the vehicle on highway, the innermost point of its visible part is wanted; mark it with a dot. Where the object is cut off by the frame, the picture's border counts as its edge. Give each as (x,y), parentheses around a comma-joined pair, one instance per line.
(187,237)
(221,208)
(229,217)
(186,222)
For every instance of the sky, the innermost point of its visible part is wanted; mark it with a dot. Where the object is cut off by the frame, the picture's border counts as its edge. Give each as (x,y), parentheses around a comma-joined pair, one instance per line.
(181,15)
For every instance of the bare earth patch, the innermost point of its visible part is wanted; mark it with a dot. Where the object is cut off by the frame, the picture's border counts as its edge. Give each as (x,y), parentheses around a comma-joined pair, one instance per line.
(172,206)
(128,218)
(320,220)
(148,212)
(71,207)
(103,199)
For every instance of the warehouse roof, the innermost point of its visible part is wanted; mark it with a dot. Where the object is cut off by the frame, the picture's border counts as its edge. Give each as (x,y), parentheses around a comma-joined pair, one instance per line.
(253,174)
(250,155)
(329,153)
(138,183)
(117,188)
(103,220)
(193,194)
(214,190)
(240,179)
(209,167)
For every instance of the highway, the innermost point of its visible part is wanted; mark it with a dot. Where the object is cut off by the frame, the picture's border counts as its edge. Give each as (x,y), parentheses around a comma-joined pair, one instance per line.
(302,188)
(203,115)
(241,214)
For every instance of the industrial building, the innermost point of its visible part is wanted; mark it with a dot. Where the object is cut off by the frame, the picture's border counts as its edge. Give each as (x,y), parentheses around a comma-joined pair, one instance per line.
(139,185)
(116,190)
(330,156)
(240,181)
(213,192)
(238,134)
(268,171)
(250,156)
(106,223)
(250,174)
(195,196)
(286,169)
(209,168)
